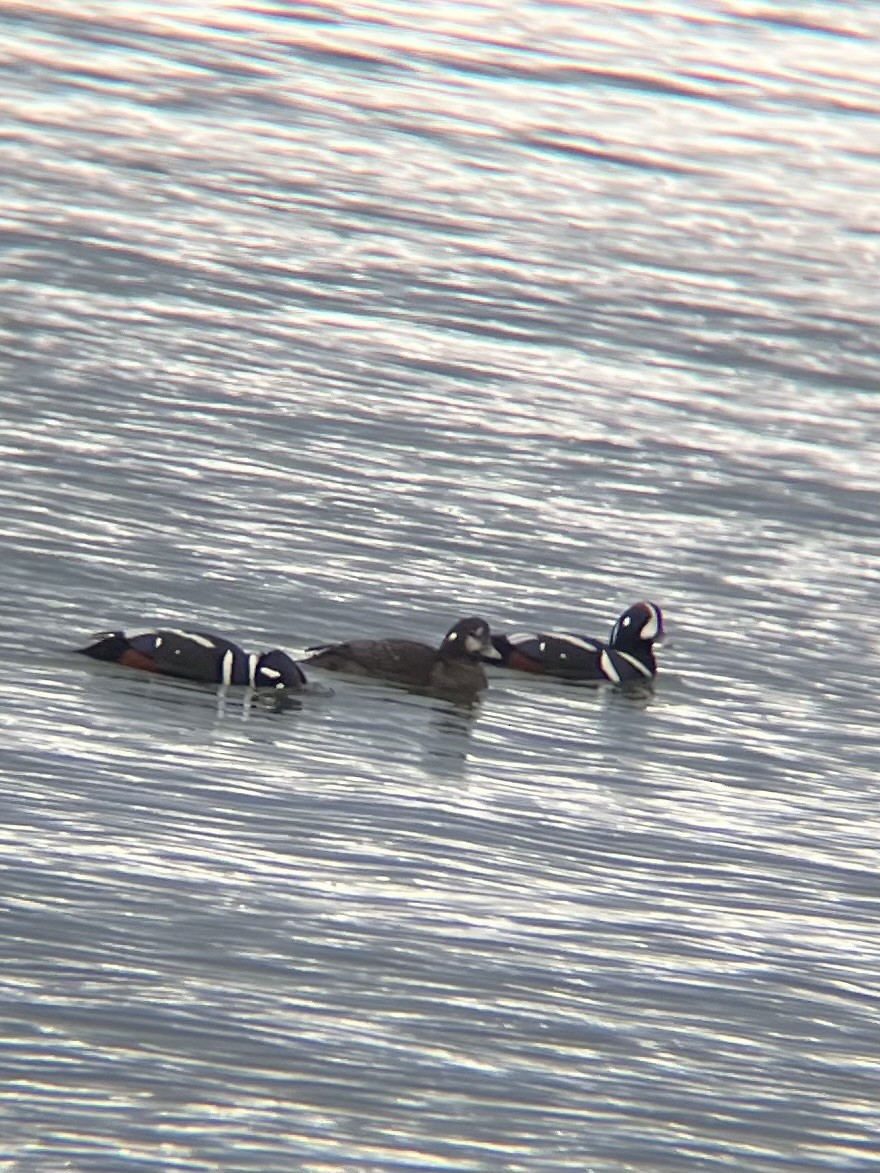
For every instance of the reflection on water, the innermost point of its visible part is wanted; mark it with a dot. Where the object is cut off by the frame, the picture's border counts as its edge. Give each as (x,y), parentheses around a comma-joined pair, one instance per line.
(364,320)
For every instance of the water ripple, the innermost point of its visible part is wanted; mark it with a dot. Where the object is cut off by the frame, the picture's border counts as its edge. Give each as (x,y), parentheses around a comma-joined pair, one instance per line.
(323,323)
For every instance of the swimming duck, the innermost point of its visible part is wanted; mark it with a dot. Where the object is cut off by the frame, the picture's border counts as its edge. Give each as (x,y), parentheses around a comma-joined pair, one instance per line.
(455,667)
(627,656)
(197,655)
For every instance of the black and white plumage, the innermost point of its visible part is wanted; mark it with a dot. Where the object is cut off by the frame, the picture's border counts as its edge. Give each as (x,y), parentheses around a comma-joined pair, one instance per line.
(455,667)
(627,657)
(197,655)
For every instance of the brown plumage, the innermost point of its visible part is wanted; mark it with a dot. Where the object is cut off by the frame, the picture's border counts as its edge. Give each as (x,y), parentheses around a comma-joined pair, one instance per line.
(454,667)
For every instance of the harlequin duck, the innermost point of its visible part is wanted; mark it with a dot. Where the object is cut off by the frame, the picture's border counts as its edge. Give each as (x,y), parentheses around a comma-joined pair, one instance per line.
(627,657)
(454,667)
(197,655)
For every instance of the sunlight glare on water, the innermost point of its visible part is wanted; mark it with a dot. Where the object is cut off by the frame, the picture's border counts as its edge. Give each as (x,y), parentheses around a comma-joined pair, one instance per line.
(346,321)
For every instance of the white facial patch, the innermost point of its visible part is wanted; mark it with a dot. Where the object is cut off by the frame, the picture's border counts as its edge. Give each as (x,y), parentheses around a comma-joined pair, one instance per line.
(473,643)
(651,626)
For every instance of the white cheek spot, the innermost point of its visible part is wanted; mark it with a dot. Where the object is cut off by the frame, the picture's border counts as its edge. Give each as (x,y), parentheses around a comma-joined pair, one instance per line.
(226,668)
(473,643)
(607,665)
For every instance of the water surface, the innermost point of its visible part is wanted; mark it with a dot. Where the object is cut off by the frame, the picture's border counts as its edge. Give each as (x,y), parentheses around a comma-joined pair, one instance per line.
(338,321)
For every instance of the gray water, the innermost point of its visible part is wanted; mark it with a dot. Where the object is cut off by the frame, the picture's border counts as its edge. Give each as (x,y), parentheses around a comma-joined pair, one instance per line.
(331,320)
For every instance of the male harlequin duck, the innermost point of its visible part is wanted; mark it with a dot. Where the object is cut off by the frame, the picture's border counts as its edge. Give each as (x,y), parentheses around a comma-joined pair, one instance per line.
(455,667)
(197,655)
(627,657)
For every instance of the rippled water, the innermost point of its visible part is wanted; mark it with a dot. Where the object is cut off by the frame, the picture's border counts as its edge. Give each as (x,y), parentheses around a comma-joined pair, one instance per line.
(341,320)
